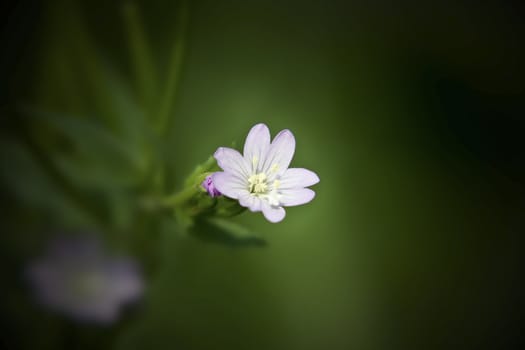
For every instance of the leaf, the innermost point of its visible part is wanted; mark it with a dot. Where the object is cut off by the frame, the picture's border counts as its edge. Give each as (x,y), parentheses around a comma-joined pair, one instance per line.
(129,115)
(91,174)
(98,157)
(223,231)
(29,183)
(91,136)
(196,175)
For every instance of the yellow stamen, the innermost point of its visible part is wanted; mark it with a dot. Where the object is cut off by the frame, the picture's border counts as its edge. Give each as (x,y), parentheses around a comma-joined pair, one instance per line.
(257,183)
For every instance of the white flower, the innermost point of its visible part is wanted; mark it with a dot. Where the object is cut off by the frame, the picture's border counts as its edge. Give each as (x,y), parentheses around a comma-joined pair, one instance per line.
(261,180)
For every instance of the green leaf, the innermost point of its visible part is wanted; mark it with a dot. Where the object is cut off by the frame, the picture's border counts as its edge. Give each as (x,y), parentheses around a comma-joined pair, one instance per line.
(130,118)
(23,177)
(200,171)
(97,156)
(223,231)
(88,172)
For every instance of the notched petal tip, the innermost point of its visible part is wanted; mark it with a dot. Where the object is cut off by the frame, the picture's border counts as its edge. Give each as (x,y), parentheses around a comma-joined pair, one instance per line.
(286,135)
(259,126)
(219,153)
(315,178)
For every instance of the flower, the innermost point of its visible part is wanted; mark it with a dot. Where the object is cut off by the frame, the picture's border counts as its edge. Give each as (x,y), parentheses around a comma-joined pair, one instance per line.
(261,180)
(76,278)
(208,185)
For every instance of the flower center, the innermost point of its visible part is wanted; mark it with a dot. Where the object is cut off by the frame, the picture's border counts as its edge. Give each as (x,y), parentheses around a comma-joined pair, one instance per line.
(257,183)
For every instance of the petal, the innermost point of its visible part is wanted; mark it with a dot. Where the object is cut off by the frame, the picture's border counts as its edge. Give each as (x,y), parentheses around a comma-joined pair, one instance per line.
(229,184)
(250,201)
(271,213)
(256,146)
(280,153)
(296,196)
(125,279)
(298,178)
(232,161)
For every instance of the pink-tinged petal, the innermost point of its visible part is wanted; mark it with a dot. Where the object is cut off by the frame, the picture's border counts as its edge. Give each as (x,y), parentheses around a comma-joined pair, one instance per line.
(208,185)
(271,213)
(256,146)
(232,161)
(229,184)
(280,153)
(251,202)
(296,196)
(298,178)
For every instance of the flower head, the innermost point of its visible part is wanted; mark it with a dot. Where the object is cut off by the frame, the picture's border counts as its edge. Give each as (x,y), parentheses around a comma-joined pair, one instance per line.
(75,277)
(260,179)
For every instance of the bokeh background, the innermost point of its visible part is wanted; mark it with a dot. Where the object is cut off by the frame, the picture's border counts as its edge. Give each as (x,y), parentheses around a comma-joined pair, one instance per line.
(412,114)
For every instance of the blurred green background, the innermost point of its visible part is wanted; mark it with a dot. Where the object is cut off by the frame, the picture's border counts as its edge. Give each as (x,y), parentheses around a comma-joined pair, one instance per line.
(411,114)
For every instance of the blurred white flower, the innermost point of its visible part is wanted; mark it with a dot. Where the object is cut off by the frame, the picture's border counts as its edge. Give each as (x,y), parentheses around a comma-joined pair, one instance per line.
(78,279)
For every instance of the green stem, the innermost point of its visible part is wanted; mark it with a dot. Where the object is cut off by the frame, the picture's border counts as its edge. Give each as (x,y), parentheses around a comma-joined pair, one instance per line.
(168,96)
(179,198)
(141,56)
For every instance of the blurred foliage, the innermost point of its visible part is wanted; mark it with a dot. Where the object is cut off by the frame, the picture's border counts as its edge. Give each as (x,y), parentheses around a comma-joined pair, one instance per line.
(93,155)
(102,136)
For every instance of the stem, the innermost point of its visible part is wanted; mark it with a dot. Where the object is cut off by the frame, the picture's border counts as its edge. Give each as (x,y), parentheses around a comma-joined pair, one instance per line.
(141,55)
(170,89)
(179,198)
